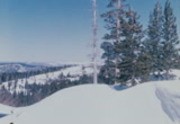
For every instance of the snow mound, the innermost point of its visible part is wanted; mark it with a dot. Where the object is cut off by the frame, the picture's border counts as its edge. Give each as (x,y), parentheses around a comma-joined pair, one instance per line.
(6,109)
(176,73)
(149,103)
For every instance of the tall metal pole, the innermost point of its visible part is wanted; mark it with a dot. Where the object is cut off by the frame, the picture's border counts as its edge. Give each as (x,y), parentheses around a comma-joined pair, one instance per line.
(118,7)
(94,58)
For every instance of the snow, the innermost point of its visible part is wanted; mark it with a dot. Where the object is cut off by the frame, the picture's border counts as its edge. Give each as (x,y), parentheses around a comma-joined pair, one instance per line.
(5,109)
(74,71)
(170,106)
(148,103)
(12,68)
(22,67)
(176,72)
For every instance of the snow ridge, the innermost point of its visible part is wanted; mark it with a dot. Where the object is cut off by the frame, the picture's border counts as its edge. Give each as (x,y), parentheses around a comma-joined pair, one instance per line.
(170,104)
(148,103)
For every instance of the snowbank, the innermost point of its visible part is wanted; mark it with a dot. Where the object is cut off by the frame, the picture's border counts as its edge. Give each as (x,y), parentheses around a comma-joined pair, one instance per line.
(6,109)
(149,103)
(176,72)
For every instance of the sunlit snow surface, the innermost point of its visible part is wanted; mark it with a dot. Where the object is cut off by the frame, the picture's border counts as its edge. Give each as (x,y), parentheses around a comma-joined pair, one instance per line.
(148,103)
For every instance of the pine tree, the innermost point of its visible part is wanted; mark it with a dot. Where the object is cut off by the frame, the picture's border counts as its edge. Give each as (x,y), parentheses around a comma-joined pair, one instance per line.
(113,19)
(130,50)
(107,72)
(153,43)
(123,51)
(170,36)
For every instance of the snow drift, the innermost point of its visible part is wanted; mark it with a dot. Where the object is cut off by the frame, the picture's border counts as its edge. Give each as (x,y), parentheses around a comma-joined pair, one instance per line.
(149,103)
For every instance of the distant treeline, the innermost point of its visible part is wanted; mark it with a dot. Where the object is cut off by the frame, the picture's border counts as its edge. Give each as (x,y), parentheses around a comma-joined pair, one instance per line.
(36,92)
(9,76)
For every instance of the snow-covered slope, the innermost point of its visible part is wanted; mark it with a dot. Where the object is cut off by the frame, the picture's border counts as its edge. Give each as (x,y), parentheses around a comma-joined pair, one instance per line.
(6,109)
(74,71)
(148,103)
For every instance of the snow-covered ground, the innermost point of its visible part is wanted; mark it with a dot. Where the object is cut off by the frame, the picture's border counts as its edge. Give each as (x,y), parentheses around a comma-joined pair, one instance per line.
(74,71)
(6,109)
(148,103)
(176,72)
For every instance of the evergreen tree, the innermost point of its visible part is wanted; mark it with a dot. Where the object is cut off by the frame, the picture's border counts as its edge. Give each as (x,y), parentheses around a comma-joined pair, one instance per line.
(170,36)
(123,51)
(129,49)
(113,19)
(107,72)
(153,43)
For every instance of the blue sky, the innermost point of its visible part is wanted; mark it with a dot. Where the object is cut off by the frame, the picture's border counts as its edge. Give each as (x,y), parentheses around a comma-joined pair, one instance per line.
(56,30)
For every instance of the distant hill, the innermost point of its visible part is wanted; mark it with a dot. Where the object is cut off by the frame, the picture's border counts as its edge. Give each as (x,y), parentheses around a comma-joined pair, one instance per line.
(24,67)
(37,81)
